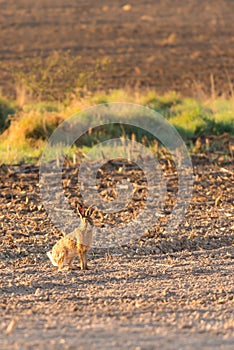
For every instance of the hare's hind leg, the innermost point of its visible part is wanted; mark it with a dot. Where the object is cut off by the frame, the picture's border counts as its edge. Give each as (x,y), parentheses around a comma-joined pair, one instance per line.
(60,262)
(62,259)
(70,263)
(60,266)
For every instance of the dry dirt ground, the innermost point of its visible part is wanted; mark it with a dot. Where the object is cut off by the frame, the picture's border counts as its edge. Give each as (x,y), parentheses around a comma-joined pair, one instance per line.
(168,291)
(171,44)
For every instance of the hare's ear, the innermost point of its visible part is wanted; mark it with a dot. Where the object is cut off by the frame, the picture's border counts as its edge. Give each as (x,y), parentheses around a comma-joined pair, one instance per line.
(80,210)
(88,211)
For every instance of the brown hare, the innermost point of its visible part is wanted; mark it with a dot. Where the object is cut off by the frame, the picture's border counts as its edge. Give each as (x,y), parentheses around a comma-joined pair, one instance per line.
(75,243)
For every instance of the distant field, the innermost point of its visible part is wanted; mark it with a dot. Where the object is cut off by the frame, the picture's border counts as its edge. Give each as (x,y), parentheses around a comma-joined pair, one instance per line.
(186,46)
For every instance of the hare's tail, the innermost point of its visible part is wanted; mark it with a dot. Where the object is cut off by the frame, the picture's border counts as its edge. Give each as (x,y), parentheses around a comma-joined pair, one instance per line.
(51,258)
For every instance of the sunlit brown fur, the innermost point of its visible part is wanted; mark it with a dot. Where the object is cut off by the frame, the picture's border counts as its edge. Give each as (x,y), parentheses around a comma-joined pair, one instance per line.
(75,243)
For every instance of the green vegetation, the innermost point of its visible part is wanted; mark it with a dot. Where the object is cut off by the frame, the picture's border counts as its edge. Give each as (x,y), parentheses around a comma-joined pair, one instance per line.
(7,108)
(50,89)
(26,129)
(56,87)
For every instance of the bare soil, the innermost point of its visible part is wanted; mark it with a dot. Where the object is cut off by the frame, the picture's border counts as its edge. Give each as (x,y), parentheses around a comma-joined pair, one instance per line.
(181,45)
(168,291)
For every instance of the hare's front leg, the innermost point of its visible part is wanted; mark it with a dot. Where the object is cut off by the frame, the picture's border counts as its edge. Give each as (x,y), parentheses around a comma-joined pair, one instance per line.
(85,264)
(83,259)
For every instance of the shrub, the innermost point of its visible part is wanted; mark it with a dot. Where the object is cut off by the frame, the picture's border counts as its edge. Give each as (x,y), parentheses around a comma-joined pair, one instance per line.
(6,109)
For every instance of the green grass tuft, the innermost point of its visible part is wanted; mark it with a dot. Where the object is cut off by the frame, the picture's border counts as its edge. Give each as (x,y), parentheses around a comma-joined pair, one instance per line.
(7,108)
(26,129)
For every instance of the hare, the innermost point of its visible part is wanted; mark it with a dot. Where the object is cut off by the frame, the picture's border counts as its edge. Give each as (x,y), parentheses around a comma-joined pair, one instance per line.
(75,243)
